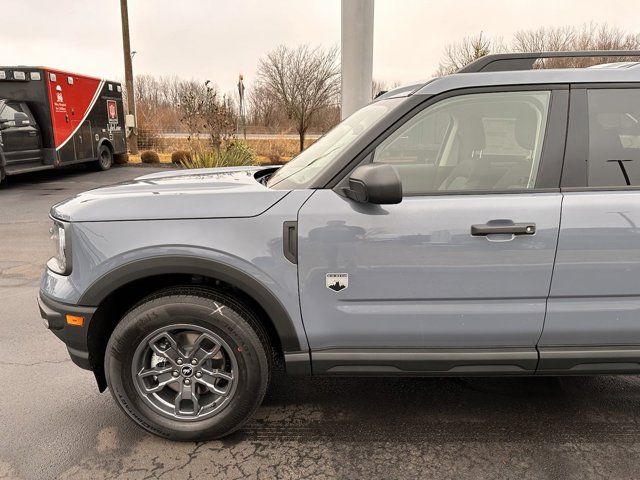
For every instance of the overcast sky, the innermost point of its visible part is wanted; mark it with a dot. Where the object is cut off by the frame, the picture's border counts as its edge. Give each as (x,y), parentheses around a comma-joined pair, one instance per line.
(217,39)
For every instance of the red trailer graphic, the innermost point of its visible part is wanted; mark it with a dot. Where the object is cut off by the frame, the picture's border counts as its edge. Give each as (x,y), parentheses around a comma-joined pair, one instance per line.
(112,111)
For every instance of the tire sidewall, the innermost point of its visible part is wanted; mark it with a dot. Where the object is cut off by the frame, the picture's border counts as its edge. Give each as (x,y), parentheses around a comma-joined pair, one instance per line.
(101,150)
(252,366)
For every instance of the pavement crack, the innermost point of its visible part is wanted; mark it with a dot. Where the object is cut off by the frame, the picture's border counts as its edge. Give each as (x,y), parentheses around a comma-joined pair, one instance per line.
(34,364)
(192,456)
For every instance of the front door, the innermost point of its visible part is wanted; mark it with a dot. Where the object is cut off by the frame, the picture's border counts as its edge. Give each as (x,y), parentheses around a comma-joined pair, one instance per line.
(20,134)
(456,277)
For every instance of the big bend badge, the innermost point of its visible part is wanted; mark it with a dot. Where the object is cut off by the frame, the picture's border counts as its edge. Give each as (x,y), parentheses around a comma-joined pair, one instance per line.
(337,281)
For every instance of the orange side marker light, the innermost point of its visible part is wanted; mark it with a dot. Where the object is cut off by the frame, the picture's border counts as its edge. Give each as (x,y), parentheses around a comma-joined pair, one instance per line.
(75,320)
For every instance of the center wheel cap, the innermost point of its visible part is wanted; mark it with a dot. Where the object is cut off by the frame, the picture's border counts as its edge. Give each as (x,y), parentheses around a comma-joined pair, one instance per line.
(186,371)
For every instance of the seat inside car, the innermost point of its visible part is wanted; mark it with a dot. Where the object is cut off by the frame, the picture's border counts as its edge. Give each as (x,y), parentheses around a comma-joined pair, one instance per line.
(472,170)
(518,174)
(500,165)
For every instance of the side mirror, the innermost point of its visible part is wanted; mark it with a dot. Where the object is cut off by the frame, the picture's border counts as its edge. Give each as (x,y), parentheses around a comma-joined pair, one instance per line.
(21,119)
(376,183)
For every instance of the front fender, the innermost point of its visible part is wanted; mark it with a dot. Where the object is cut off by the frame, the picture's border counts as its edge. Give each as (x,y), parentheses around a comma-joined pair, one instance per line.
(251,282)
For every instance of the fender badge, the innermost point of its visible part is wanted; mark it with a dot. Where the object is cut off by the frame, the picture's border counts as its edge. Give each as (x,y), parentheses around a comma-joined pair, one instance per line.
(337,281)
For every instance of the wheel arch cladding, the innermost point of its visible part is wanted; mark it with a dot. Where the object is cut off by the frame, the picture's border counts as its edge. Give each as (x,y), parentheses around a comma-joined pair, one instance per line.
(138,279)
(106,142)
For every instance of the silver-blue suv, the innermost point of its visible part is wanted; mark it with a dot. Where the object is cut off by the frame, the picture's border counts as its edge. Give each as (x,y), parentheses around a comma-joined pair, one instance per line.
(483,223)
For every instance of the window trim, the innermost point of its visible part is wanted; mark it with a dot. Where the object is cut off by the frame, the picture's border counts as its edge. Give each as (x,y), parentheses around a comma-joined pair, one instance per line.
(575,169)
(551,157)
(27,110)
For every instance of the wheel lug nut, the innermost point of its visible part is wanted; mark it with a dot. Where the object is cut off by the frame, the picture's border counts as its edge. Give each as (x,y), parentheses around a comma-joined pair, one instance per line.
(187,381)
(175,373)
(194,361)
(198,374)
(179,361)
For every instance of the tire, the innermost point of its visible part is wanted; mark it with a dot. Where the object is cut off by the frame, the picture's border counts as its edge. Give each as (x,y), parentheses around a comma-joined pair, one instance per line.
(105,158)
(172,317)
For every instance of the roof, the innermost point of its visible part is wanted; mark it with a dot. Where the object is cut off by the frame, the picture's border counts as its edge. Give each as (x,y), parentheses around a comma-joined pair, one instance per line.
(530,77)
(29,68)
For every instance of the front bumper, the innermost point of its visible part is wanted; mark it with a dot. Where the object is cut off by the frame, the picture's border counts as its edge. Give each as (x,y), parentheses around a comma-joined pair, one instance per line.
(75,337)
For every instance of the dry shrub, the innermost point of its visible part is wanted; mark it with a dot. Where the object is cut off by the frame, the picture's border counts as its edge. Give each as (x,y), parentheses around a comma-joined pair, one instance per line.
(225,157)
(149,156)
(180,156)
(277,150)
(278,147)
(121,158)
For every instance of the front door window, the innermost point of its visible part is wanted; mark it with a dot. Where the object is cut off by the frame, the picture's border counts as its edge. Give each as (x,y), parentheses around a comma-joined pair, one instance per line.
(478,142)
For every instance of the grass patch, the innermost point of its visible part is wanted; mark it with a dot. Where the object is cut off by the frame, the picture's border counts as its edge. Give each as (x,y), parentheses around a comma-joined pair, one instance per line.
(164,158)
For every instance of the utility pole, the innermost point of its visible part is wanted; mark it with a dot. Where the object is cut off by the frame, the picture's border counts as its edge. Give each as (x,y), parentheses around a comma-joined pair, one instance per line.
(128,74)
(357,54)
(241,110)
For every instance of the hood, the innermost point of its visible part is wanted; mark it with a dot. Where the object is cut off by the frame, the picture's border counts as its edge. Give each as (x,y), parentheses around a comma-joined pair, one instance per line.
(202,193)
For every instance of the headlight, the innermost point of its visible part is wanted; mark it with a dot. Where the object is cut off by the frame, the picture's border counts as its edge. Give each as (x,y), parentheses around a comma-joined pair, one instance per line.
(59,262)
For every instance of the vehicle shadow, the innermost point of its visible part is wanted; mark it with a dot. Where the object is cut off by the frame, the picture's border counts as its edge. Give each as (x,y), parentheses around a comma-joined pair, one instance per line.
(536,409)
(43,176)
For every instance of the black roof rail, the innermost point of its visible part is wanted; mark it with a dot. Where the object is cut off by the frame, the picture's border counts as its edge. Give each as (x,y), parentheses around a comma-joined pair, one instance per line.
(503,62)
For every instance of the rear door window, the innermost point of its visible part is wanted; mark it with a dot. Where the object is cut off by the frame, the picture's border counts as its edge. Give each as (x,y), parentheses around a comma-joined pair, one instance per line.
(614,137)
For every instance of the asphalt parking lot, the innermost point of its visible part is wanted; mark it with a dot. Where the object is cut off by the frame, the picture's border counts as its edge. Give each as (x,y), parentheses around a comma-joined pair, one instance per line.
(55,424)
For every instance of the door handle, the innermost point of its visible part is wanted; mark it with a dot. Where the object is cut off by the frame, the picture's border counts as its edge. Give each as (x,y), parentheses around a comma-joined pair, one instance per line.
(528,228)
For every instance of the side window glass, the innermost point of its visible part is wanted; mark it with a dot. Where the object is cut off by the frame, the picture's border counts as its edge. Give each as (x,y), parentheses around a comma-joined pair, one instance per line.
(614,138)
(8,114)
(483,142)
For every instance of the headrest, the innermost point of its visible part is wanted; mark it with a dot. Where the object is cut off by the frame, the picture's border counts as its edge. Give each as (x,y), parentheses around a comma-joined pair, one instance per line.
(526,127)
(472,133)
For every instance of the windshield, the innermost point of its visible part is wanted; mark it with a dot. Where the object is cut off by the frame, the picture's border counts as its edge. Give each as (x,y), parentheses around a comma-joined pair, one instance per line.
(310,163)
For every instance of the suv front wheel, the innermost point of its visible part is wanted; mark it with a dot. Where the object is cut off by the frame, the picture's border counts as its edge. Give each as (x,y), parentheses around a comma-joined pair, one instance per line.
(189,364)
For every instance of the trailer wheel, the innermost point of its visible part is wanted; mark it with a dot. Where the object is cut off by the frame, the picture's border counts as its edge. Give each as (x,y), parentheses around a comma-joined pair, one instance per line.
(105,158)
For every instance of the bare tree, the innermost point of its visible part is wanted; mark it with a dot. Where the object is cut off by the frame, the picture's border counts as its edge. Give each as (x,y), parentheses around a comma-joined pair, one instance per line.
(156,107)
(305,81)
(266,109)
(380,86)
(590,36)
(191,98)
(471,48)
(217,115)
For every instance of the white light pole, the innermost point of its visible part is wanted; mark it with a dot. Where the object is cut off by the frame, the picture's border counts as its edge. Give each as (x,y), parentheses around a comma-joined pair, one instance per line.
(357,54)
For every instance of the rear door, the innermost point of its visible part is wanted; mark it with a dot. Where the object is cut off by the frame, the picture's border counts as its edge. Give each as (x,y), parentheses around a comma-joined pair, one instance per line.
(593,317)
(427,285)
(83,140)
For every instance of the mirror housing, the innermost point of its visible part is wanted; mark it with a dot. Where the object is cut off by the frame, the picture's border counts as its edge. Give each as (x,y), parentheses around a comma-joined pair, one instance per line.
(376,183)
